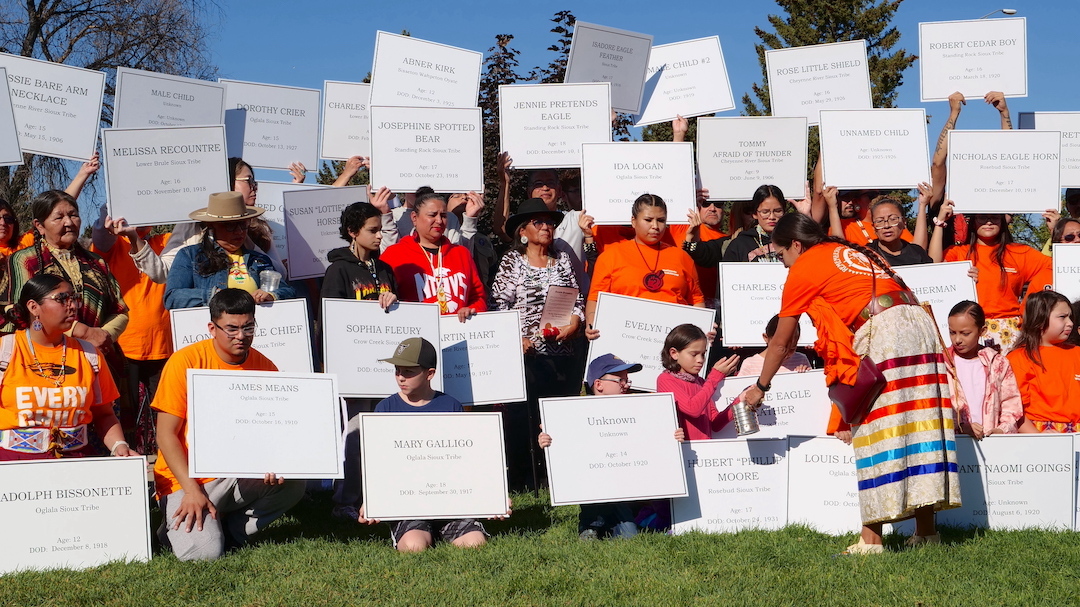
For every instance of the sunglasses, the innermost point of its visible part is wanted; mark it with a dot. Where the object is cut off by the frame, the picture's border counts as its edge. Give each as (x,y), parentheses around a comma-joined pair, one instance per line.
(710,203)
(8,219)
(1070,237)
(542,221)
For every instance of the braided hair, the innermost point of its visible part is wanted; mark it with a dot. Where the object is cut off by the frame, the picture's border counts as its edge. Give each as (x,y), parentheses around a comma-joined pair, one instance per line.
(796,227)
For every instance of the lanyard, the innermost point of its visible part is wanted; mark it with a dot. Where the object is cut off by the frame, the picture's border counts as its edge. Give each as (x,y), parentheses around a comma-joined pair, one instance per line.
(440,292)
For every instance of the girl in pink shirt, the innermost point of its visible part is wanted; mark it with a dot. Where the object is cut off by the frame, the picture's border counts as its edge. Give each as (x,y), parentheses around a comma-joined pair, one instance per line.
(683,357)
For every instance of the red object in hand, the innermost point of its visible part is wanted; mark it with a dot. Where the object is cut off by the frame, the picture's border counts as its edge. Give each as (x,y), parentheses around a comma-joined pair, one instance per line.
(550,332)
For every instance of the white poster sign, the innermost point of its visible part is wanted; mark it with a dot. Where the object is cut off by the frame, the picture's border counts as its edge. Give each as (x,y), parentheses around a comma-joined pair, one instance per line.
(356,334)
(433,465)
(1015,481)
(57,107)
(1067,270)
(151,100)
(482,359)
(272,126)
(875,149)
(1004,171)
(271,196)
(544,125)
(797,404)
(411,72)
(823,489)
(942,285)
(312,221)
(750,295)
(438,147)
(74,513)
(634,329)
(612,448)
(734,486)
(1068,123)
(613,175)
(346,121)
(605,54)
(685,79)
(283,333)
(160,175)
(806,79)
(973,57)
(240,423)
(737,155)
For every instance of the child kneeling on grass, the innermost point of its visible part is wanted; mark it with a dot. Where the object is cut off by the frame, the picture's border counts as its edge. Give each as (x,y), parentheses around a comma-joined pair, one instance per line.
(415,362)
(609,374)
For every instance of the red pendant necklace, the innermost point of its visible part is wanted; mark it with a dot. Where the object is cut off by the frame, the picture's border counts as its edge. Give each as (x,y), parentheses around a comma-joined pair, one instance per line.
(654,280)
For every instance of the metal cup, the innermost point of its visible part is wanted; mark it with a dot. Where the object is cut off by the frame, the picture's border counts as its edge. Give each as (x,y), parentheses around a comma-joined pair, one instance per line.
(746,421)
(269,280)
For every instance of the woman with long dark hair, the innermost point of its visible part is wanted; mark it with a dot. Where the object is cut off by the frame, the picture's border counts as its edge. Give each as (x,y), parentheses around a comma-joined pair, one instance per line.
(766,208)
(904,445)
(1005,268)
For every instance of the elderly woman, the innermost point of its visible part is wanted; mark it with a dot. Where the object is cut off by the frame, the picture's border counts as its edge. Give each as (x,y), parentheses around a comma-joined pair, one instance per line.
(220,260)
(522,282)
(56,250)
(41,415)
(888,219)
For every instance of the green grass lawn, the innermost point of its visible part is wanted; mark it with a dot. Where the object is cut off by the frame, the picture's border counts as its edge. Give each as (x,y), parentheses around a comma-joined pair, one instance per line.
(535,558)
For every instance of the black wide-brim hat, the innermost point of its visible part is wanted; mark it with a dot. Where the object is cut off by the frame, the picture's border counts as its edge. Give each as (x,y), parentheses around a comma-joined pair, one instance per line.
(526,211)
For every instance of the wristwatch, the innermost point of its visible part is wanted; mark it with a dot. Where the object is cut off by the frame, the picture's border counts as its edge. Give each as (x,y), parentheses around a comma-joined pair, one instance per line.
(761,387)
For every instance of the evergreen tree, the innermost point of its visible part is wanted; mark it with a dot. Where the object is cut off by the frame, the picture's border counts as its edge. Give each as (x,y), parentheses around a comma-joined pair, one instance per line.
(824,21)
(500,67)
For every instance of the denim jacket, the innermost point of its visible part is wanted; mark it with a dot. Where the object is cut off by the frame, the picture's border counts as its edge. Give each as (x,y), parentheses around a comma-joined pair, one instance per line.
(186,288)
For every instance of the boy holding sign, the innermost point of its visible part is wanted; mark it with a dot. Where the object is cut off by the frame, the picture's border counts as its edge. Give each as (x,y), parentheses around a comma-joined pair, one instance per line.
(204,515)
(415,361)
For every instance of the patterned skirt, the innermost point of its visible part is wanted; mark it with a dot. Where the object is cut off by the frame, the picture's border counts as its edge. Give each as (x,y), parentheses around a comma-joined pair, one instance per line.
(905,449)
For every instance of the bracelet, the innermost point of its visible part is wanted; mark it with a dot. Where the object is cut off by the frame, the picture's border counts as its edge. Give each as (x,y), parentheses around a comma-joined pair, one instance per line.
(689,246)
(116,446)
(941,223)
(761,387)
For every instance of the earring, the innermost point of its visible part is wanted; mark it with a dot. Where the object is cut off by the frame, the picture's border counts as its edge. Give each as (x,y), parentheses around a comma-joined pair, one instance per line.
(524,240)
(36,325)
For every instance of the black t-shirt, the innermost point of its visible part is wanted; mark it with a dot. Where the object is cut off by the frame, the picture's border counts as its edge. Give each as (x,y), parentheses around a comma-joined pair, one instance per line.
(910,254)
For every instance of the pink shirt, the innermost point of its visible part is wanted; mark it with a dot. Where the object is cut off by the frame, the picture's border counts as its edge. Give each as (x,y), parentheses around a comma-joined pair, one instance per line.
(753,365)
(698,415)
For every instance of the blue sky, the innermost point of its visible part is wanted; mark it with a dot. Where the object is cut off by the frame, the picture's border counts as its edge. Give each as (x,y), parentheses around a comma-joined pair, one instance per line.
(278,42)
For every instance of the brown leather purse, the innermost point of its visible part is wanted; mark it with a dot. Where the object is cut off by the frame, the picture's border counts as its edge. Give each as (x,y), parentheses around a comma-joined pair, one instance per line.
(854,401)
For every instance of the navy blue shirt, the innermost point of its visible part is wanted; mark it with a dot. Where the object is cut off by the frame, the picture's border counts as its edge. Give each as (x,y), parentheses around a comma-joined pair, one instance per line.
(441,403)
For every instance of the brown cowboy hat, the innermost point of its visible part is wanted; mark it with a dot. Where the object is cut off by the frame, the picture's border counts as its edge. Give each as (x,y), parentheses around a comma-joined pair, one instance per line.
(226,206)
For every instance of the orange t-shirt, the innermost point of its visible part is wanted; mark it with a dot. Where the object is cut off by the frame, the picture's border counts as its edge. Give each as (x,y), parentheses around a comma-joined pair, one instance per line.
(24,241)
(171,395)
(148,335)
(862,232)
(623,266)
(838,274)
(609,235)
(1053,394)
(28,400)
(707,276)
(1022,264)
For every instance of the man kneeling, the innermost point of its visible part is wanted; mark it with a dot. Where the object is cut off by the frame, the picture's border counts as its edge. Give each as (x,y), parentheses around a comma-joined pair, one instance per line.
(204,516)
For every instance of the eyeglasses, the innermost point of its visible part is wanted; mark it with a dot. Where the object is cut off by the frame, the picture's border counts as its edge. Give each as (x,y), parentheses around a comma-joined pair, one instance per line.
(621,382)
(8,219)
(246,330)
(68,297)
(768,212)
(710,203)
(250,181)
(887,222)
(542,221)
(1070,237)
(234,226)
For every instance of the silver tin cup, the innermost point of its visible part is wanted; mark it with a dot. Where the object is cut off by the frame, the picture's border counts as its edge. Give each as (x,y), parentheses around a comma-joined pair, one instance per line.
(269,280)
(746,421)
